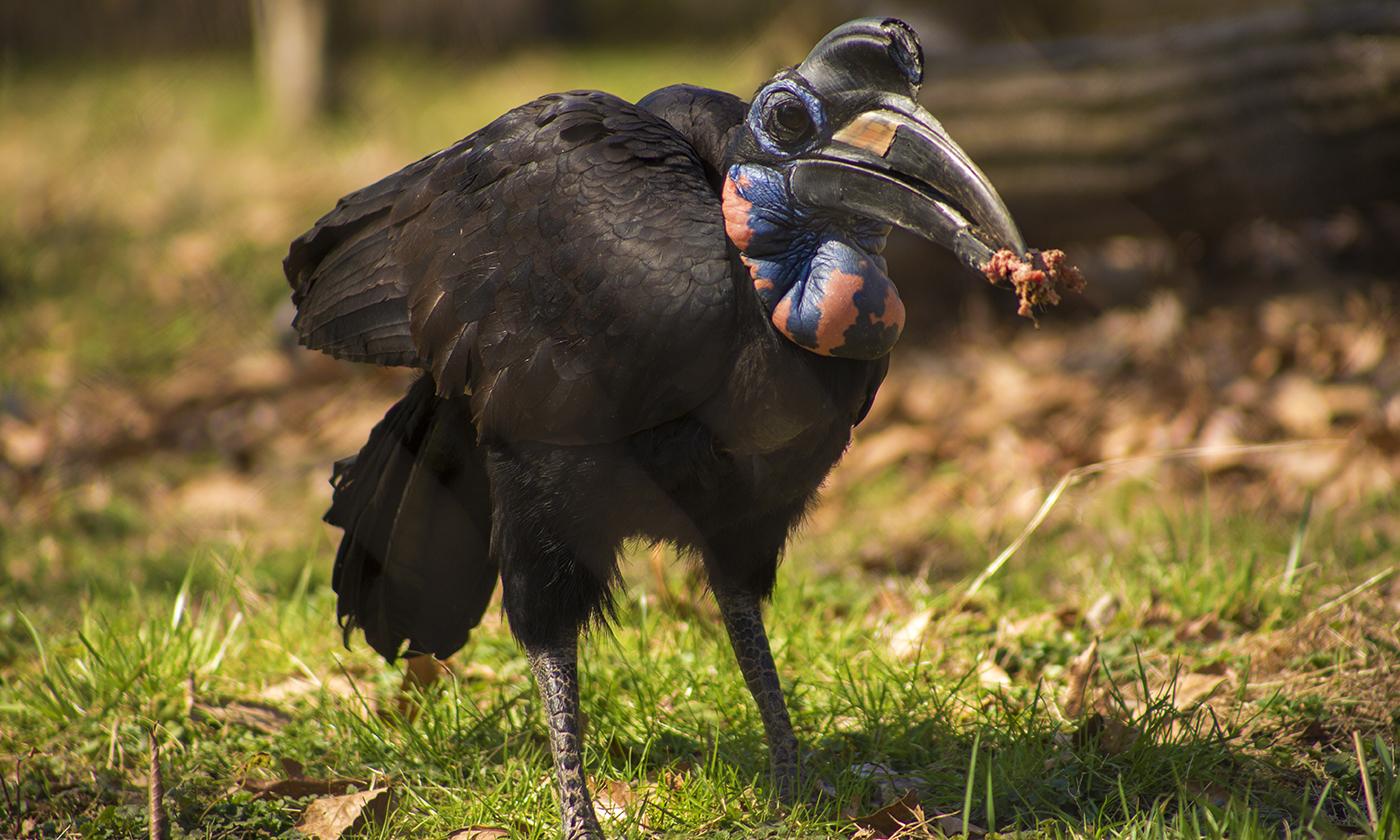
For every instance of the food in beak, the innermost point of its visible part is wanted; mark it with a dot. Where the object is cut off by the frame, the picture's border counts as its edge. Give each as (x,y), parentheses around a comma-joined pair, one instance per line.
(1034,277)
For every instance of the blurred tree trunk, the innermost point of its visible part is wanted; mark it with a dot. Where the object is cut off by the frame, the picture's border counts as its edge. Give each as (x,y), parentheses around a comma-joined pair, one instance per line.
(1284,114)
(290,40)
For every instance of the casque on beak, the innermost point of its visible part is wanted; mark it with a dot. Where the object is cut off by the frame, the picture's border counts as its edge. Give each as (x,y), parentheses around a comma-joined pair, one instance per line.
(896,164)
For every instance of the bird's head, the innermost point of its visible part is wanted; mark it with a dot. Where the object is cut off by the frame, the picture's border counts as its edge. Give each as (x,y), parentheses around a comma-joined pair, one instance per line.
(833,152)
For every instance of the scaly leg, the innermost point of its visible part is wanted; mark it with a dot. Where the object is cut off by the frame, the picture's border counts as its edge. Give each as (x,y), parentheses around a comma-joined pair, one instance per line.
(743,618)
(556,675)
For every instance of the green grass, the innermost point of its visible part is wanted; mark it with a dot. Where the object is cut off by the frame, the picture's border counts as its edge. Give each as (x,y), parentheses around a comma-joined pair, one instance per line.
(671,725)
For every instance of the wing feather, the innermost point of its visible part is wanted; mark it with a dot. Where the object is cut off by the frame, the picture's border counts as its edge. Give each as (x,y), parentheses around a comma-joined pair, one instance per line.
(566,266)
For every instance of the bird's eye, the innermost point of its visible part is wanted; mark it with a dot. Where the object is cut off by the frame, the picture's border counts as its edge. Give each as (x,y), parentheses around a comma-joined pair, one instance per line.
(789,123)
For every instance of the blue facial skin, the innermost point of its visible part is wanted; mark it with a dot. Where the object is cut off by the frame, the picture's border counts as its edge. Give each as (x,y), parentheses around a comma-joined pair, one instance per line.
(820,276)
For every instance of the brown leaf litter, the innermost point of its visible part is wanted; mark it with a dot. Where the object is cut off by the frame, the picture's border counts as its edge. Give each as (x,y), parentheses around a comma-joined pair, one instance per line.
(905,818)
(295,784)
(1298,396)
(336,816)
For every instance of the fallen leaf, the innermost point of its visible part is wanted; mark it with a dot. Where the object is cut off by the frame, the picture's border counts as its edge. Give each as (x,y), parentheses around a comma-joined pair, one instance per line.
(1110,736)
(1300,406)
(1207,628)
(615,798)
(296,687)
(1102,611)
(296,785)
(480,832)
(1117,736)
(890,446)
(1193,689)
(1035,626)
(674,777)
(953,826)
(255,716)
(908,639)
(220,497)
(889,602)
(330,818)
(1080,675)
(1219,441)
(22,445)
(893,819)
(890,784)
(420,673)
(297,788)
(992,675)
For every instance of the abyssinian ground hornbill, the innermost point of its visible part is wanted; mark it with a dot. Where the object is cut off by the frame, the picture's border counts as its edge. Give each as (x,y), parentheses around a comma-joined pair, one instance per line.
(657,320)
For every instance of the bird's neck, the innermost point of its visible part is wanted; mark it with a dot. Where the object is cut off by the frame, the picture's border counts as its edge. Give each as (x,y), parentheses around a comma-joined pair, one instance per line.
(822,280)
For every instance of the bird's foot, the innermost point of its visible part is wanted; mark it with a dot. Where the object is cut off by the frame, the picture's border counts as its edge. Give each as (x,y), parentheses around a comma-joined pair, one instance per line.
(582,826)
(787,782)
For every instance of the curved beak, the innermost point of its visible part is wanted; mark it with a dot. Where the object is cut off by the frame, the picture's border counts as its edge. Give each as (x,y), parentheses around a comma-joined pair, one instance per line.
(896,164)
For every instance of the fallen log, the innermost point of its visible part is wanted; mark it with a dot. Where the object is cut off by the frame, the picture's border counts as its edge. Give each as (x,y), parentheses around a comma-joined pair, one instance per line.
(1284,114)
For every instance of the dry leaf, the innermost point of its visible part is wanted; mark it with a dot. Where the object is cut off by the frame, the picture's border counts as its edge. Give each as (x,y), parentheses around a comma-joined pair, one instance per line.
(907,640)
(1117,736)
(333,816)
(480,832)
(1207,628)
(614,798)
(991,675)
(1300,407)
(893,819)
(298,788)
(1220,441)
(890,784)
(889,602)
(296,785)
(674,777)
(220,497)
(295,687)
(1080,675)
(1102,611)
(1193,689)
(952,826)
(1110,735)
(254,716)
(420,673)
(890,446)
(22,445)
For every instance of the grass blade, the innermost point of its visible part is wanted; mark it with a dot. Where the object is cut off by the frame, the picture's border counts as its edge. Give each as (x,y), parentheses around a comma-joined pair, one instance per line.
(971,781)
(1299,536)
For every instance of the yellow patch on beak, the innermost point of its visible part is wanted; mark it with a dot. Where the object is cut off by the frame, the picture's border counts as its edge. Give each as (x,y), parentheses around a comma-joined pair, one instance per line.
(872,131)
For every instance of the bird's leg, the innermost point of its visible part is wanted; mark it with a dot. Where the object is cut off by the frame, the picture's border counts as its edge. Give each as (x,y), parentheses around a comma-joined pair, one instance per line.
(556,674)
(743,618)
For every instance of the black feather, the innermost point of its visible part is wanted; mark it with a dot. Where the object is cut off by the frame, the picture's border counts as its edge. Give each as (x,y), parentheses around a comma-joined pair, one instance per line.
(415,504)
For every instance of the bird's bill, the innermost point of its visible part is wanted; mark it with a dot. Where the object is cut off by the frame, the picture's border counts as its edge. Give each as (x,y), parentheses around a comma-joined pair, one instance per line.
(897,165)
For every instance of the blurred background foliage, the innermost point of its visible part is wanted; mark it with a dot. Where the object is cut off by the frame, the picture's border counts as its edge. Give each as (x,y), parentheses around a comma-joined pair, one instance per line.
(1225,172)
(481,29)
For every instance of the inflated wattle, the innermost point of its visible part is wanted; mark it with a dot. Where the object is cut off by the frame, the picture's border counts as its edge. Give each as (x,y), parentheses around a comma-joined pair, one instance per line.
(824,284)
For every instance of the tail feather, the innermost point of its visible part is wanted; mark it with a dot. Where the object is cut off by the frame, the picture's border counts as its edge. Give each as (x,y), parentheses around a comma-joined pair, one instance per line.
(414,564)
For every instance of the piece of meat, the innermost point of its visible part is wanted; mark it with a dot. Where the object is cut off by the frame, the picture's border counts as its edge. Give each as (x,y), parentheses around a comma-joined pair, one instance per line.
(1034,277)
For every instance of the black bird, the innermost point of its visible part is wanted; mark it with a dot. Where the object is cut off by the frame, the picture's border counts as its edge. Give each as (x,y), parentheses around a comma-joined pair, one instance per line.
(657,320)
